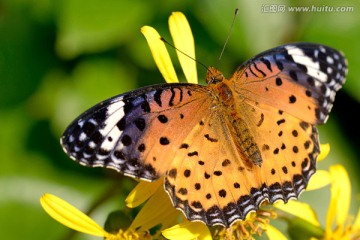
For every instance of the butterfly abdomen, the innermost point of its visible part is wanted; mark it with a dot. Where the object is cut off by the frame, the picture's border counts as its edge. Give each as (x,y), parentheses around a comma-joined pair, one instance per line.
(246,144)
(238,130)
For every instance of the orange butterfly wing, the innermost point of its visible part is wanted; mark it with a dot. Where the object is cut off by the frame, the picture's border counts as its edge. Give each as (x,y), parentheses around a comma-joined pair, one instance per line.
(224,148)
(301,79)
(137,133)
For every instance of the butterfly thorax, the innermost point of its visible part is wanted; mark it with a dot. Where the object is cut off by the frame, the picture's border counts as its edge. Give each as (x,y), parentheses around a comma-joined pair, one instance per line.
(220,88)
(224,95)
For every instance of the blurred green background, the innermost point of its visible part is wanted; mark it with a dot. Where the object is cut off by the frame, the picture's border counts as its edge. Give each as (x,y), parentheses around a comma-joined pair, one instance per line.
(58,58)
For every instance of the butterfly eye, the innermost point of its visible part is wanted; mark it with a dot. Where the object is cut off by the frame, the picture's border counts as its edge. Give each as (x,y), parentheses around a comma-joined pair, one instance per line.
(214,76)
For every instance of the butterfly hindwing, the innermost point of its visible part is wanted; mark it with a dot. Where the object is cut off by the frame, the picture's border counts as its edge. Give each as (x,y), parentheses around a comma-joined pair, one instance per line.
(213,180)
(288,147)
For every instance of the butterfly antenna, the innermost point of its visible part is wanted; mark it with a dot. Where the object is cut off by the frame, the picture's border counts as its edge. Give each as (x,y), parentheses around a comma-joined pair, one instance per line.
(228,36)
(165,41)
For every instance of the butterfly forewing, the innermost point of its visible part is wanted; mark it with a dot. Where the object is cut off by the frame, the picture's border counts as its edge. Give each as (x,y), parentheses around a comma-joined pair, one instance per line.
(136,133)
(301,79)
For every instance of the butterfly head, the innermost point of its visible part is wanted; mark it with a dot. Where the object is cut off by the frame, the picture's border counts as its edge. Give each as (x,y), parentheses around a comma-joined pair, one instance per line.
(214,76)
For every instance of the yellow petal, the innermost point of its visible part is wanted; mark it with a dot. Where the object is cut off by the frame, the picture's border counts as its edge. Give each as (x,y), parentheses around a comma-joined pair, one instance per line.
(299,209)
(142,192)
(331,213)
(341,190)
(187,231)
(356,225)
(184,41)
(324,151)
(160,54)
(320,179)
(158,209)
(274,234)
(70,216)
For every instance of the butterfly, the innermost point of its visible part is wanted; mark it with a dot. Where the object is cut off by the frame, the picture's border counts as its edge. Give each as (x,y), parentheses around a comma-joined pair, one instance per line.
(224,148)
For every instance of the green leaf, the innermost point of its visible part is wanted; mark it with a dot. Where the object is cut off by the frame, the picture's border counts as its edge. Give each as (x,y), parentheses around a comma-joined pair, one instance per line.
(300,229)
(88,26)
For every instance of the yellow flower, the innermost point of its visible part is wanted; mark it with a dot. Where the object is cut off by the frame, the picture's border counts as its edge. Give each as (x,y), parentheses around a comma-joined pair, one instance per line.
(187,231)
(183,40)
(157,211)
(256,223)
(339,225)
(73,218)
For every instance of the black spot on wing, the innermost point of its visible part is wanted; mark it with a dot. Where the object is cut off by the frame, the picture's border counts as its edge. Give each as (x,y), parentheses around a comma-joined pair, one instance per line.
(267,63)
(140,123)
(164,141)
(157,97)
(207,136)
(259,70)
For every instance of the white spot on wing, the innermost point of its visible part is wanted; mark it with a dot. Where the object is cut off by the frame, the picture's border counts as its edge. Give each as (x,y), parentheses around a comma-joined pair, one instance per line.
(91,144)
(329,70)
(316,53)
(71,138)
(329,60)
(116,160)
(110,145)
(299,57)
(317,74)
(294,50)
(82,136)
(114,106)
(313,68)
(234,217)
(115,113)
(249,208)
(81,123)
(91,120)
(98,163)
